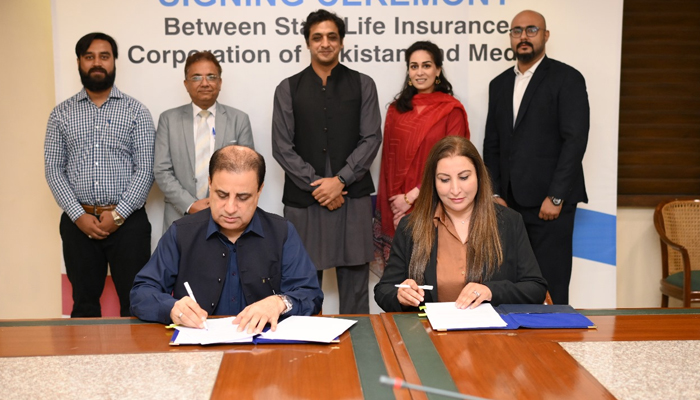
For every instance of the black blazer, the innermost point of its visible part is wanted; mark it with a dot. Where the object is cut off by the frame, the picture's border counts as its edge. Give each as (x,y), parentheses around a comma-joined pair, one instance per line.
(517,280)
(542,154)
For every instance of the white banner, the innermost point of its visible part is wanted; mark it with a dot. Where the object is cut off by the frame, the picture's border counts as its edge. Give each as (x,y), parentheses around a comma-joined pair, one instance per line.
(259,44)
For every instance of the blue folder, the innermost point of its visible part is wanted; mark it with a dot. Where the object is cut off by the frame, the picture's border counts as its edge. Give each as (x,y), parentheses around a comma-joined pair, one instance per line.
(539,316)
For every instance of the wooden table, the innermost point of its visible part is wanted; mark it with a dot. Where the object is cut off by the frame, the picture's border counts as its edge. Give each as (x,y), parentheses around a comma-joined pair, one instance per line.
(127,358)
(347,370)
(525,364)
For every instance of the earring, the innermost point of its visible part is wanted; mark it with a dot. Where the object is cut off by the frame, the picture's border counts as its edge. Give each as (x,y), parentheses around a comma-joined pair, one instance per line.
(410,83)
(437,80)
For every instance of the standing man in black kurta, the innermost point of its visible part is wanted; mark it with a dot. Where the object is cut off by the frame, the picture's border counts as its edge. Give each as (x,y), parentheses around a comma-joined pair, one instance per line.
(326,131)
(536,136)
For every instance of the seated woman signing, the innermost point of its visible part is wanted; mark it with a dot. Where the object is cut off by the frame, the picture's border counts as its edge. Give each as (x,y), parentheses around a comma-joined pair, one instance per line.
(460,241)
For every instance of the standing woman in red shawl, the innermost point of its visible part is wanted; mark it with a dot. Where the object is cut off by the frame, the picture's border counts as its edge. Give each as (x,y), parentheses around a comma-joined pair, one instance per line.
(423,113)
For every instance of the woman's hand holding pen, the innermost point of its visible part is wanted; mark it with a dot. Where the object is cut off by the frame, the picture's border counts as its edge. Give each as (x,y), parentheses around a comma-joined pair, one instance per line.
(412,295)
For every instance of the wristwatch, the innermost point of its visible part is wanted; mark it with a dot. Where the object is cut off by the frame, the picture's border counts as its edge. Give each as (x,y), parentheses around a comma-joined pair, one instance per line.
(287,303)
(340,178)
(118,220)
(555,201)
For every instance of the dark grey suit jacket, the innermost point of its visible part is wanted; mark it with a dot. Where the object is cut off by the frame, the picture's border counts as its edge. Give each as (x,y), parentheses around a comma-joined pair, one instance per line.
(542,154)
(174,153)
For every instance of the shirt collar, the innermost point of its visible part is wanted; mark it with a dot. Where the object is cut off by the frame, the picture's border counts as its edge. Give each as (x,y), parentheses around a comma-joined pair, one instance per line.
(530,71)
(440,216)
(114,93)
(255,226)
(196,109)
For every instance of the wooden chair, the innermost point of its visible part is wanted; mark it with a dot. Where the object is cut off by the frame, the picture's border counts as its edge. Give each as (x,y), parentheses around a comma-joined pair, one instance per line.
(678,225)
(548,300)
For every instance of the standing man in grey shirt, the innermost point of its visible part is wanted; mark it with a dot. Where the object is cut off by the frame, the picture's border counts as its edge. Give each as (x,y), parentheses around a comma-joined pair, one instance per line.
(326,131)
(188,135)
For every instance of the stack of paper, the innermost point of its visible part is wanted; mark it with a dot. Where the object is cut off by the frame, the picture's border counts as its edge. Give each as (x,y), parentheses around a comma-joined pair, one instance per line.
(293,329)
(309,329)
(221,330)
(446,316)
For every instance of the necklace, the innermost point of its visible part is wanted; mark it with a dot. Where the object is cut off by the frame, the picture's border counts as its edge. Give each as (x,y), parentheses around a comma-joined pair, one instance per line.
(453,218)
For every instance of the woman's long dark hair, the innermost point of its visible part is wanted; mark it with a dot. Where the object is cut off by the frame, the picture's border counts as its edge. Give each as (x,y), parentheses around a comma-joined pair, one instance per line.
(403,100)
(484,248)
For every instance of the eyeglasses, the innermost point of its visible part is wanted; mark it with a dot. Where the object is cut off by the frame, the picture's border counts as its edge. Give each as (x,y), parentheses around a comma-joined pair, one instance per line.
(530,31)
(199,78)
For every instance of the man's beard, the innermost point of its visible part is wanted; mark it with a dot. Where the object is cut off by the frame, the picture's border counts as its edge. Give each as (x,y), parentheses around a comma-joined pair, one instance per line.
(526,57)
(97,85)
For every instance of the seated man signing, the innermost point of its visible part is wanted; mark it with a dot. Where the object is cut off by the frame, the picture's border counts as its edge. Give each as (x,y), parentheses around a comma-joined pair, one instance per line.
(238,259)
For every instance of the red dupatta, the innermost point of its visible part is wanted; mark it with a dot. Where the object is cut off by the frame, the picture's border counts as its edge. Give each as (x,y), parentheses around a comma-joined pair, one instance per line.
(408,138)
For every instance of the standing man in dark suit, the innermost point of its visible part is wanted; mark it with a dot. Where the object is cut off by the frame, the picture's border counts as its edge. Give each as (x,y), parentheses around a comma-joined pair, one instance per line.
(535,139)
(188,135)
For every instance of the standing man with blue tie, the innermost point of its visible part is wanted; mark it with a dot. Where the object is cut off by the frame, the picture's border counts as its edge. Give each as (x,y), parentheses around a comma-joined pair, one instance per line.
(535,139)
(188,135)
(99,165)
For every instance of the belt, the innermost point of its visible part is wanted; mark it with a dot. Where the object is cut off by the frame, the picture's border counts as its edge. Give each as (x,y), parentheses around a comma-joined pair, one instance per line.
(97,210)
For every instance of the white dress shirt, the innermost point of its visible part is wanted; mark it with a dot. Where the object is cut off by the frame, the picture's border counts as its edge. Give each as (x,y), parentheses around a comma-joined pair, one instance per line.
(211,120)
(522,79)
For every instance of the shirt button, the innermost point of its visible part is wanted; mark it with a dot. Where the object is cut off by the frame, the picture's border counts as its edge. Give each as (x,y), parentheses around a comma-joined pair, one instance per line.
(325,129)
(219,279)
(223,254)
(97,145)
(323,89)
(96,183)
(97,127)
(324,108)
(96,163)
(212,304)
(324,150)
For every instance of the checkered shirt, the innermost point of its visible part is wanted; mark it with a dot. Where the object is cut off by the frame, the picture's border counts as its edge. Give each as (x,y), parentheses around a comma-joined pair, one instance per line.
(100,156)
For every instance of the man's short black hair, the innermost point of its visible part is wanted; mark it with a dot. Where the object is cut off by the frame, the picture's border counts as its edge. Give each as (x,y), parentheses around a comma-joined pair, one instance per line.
(319,16)
(202,56)
(84,43)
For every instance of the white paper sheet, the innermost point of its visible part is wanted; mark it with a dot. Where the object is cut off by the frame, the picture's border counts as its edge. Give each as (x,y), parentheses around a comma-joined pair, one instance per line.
(309,329)
(297,328)
(445,316)
(221,330)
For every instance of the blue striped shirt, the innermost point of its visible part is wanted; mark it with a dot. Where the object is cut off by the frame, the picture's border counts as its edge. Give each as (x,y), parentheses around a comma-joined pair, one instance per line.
(100,155)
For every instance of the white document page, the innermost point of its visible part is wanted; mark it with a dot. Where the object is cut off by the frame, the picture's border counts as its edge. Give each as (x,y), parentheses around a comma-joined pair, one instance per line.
(309,329)
(221,330)
(446,316)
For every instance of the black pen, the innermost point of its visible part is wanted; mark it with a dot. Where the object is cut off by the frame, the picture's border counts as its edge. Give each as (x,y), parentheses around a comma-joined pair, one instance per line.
(268,282)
